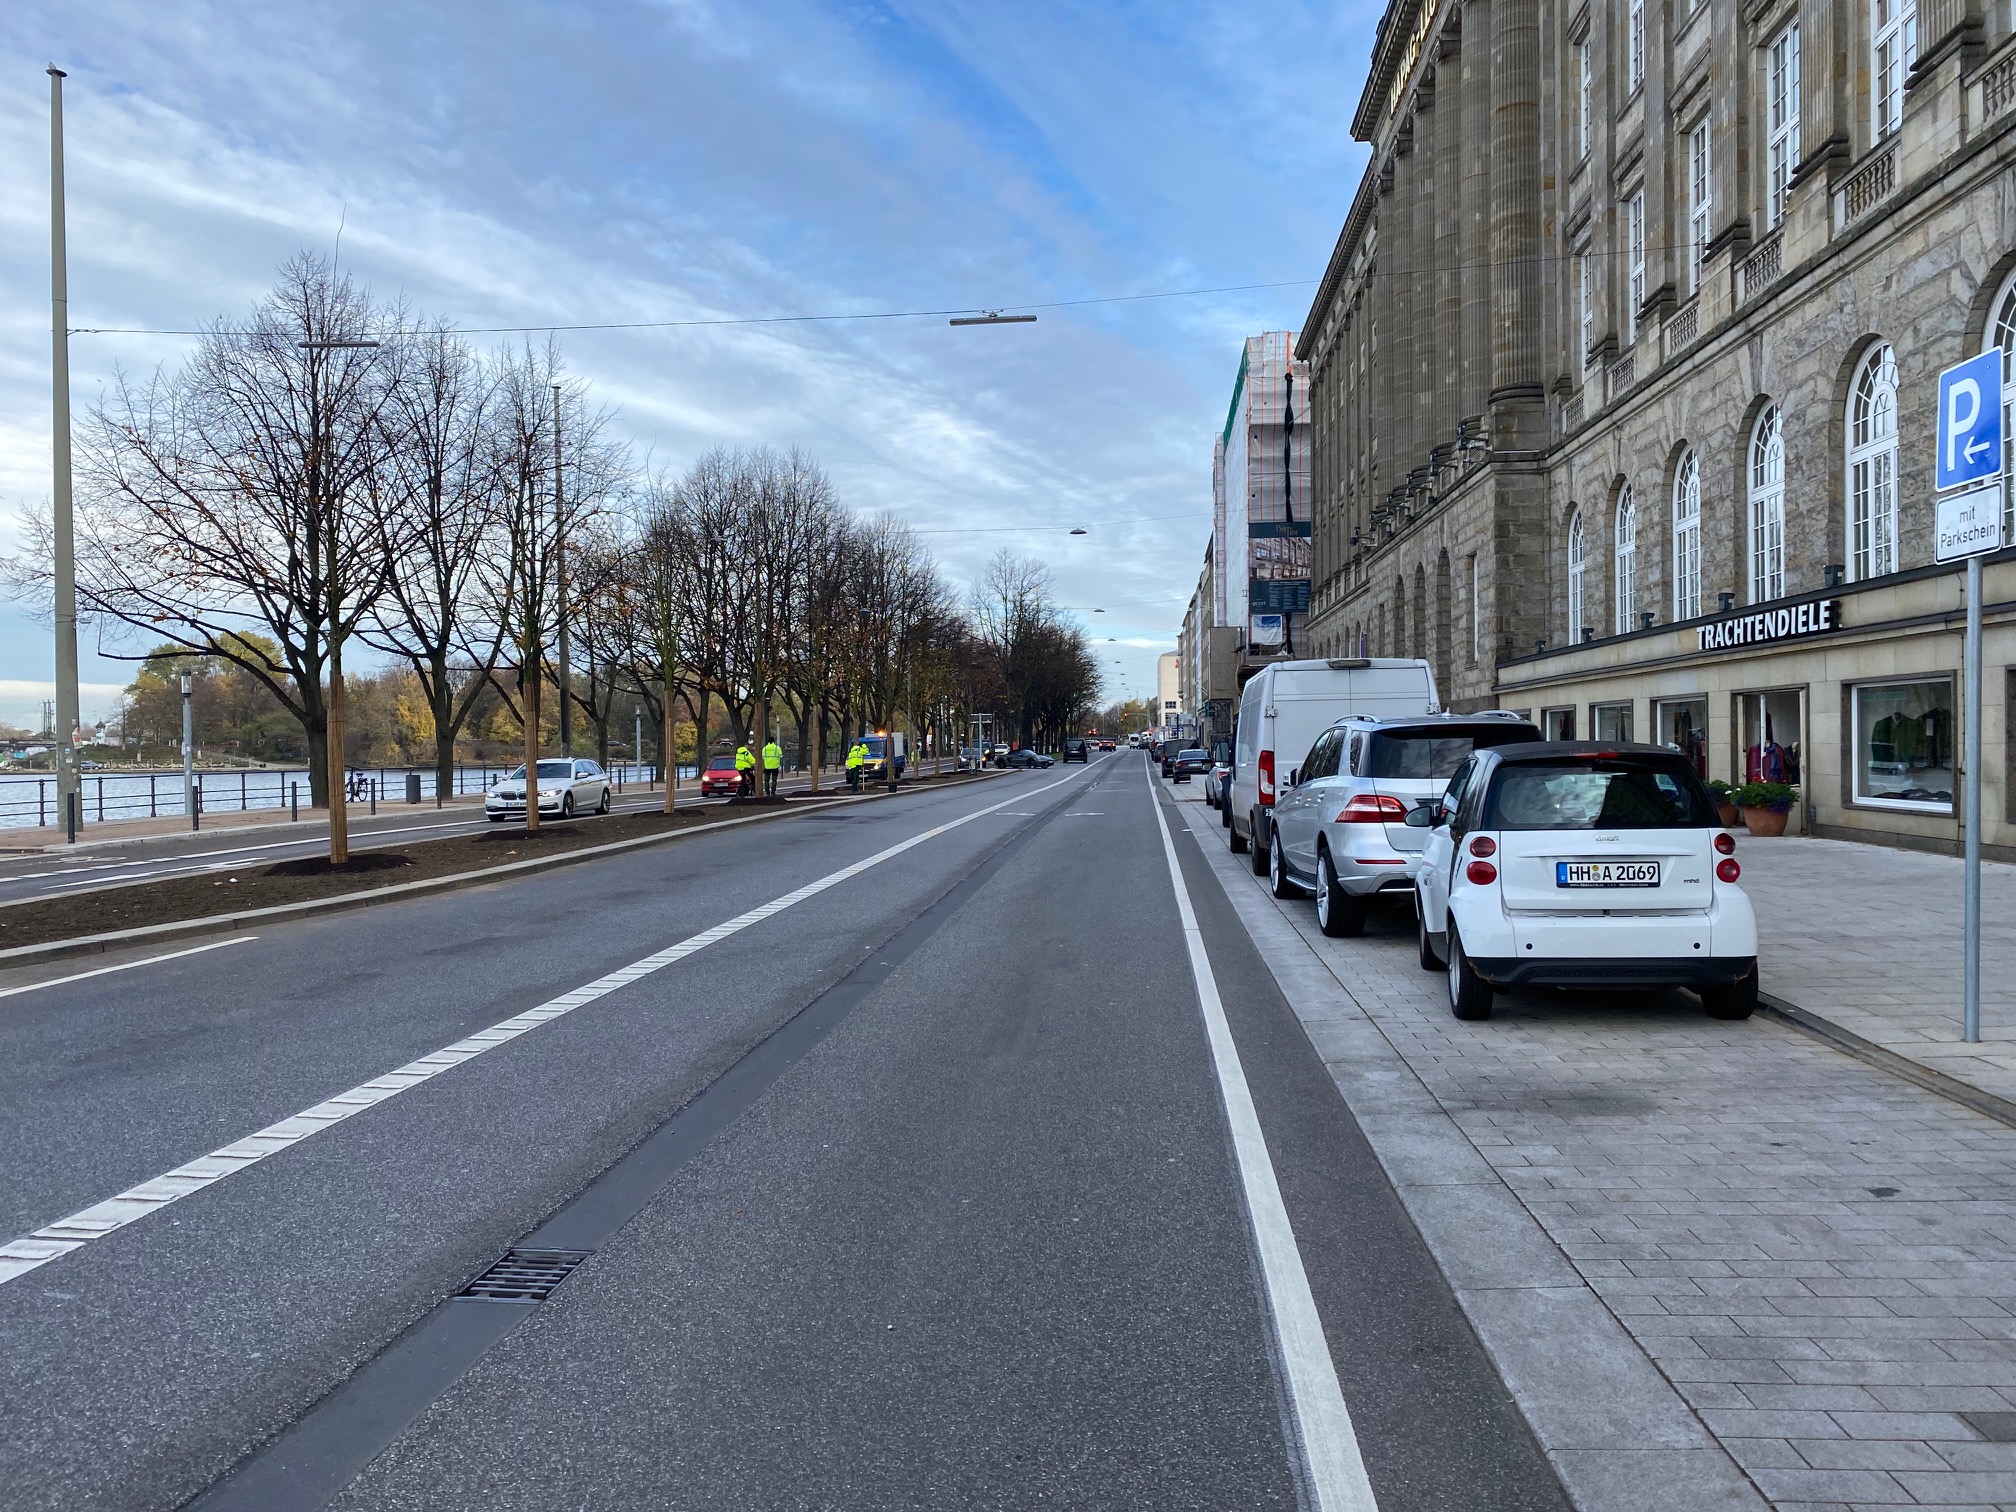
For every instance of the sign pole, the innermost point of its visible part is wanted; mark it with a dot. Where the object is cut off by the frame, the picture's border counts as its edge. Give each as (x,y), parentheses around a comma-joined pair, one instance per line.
(1971,797)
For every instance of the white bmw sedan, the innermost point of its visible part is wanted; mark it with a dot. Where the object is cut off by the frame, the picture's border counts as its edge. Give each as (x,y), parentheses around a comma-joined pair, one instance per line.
(566,788)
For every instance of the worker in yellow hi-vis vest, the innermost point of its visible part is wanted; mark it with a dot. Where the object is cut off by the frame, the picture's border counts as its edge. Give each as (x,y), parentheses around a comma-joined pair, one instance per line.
(857,758)
(773,762)
(745,768)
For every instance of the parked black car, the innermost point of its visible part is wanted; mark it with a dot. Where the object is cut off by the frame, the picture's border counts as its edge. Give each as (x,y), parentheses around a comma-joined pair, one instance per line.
(1186,764)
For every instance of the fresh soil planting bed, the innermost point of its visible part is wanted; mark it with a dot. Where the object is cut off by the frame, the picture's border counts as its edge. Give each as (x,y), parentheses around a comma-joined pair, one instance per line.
(178,898)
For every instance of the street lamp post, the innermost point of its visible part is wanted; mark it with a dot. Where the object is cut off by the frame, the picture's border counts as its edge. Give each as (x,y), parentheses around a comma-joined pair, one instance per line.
(560,571)
(68,784)
(189,752)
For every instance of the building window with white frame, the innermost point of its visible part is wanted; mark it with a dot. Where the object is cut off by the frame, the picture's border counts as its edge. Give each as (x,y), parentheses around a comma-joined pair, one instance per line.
(1893,27)
(1635,45)
(1687,537)
(1587,302)
(1767,508)
(1624,560)
(1634,240)
(1583,89)
(1872,466)
(1782,123)
(1699,195)
(1577,554)
(2002,337)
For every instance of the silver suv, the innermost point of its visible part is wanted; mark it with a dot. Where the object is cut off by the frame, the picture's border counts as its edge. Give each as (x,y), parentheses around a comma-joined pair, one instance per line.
(1340,825)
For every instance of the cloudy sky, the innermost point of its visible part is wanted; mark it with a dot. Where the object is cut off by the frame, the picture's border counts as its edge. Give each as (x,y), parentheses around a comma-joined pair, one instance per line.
(511,163)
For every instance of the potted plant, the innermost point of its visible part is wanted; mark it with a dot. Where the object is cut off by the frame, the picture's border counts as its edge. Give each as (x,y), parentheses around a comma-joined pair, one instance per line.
(1725,803)
(1764,806)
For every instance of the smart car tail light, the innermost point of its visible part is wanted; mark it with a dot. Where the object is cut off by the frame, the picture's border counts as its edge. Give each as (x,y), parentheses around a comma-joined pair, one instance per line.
(1483,845)
(1725,842)
(1728,870)
(1481,872)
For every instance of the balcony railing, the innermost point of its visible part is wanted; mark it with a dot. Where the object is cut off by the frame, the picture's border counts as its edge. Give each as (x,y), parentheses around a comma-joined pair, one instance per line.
(1867,187)
(1571,412)
(1761,268)
(1998,88)
(1684,329)
(1621,374)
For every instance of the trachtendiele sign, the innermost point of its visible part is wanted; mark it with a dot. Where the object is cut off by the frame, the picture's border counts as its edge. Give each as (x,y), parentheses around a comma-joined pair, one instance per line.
(1763,626)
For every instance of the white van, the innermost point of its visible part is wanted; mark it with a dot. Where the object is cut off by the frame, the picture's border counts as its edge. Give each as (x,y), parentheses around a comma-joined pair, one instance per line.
(1287,705)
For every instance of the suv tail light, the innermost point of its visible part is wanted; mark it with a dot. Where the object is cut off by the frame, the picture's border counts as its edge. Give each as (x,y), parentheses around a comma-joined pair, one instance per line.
(1373,808)
(1481,872)
(1728,870)
(1725,842)
(1266,779)
(1483,845)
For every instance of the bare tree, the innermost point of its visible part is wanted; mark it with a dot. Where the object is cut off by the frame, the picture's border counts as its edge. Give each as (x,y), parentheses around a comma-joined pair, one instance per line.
(241,493)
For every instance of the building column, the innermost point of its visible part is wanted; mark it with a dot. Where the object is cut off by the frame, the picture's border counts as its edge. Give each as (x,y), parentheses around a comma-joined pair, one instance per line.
(1473,230)
(1518,391)
(1381,370)
(1827,74)
(1449,112)
(1401,275)
(1428,351)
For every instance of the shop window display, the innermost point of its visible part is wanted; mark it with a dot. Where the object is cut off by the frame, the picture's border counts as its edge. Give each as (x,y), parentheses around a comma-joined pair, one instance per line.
(1771,736)
(1904,744)
(1557,724)
(1682,723)
(1610,721)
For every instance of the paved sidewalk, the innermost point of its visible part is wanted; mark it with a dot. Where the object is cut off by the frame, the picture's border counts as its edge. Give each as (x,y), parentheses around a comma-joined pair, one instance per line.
(1869,937)
(1818,1256)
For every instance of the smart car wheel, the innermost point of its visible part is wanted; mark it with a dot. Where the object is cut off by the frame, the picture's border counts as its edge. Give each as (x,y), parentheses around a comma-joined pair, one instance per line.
(1736,1001)
(1338,914)
(1469,994)
(1278,881)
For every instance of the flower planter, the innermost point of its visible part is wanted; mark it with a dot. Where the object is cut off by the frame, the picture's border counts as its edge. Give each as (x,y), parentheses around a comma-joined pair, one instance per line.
(1766,822)
(1726,812)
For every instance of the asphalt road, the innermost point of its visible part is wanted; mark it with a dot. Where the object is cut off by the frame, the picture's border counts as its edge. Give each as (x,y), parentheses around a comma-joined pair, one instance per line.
(895,1156)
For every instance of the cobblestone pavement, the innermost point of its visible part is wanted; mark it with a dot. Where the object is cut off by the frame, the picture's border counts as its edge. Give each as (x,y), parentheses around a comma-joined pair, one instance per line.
(1869,937)
(1820,1257)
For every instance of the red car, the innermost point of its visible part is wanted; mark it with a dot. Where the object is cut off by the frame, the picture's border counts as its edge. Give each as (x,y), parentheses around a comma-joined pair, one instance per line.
(720,780)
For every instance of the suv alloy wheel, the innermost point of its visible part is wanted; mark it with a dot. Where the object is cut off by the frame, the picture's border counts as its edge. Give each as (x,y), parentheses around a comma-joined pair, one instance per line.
(1338,914)
(1278,881)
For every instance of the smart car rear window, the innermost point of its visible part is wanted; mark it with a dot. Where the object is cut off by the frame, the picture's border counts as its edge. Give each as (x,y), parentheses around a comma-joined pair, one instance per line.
(1597,794)
(1435,753)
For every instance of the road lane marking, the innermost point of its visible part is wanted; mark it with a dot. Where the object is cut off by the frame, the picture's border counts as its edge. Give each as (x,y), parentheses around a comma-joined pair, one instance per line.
(52,1240)
(127,966)
(1329,1442)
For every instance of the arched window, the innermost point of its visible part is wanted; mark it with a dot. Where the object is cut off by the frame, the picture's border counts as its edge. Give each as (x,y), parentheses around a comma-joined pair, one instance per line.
(1625,562)
(1687,537)
(1872,467)
(1767,508)
(1576,552)
(2002,335)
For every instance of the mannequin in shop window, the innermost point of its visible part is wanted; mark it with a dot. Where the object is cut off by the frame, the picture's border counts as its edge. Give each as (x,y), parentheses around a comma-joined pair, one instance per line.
(1771,762)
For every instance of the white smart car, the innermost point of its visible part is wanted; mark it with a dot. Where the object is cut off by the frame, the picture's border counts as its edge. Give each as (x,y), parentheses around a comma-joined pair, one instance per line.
(1581,864)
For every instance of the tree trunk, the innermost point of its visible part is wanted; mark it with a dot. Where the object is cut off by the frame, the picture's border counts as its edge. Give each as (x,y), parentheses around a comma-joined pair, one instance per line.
(700,731)
(441,697)
(529,694)
(668,757)
(339,810)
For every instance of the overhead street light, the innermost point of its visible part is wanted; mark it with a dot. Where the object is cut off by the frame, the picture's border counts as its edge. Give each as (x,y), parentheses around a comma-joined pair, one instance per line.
(992,317)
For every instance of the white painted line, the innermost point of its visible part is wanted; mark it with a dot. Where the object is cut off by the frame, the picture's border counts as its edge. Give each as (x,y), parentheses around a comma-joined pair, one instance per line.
(127,966)
(66,1234)
(1329,1442)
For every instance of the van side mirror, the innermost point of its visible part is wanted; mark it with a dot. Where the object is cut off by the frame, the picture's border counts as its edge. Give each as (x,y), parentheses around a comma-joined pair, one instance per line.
(1294,775)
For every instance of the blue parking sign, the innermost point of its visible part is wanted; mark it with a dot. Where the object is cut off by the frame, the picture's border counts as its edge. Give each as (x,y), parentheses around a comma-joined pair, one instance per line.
(1969,440)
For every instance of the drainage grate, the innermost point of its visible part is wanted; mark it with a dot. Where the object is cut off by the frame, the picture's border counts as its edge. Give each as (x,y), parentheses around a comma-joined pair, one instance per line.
(524,1275)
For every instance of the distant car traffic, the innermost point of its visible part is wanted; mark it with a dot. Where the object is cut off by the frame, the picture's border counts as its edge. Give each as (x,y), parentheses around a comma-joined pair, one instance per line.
(1022,756)
(1107,745)
(1189,763)
(1075,749)
(566,788)
(1583,864)
(720,780)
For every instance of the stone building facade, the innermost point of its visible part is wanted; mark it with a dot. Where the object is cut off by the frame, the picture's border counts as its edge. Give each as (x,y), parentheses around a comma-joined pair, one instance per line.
(1633,330)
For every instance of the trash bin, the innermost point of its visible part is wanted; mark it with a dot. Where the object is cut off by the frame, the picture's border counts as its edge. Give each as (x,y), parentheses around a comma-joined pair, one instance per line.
(412,787)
